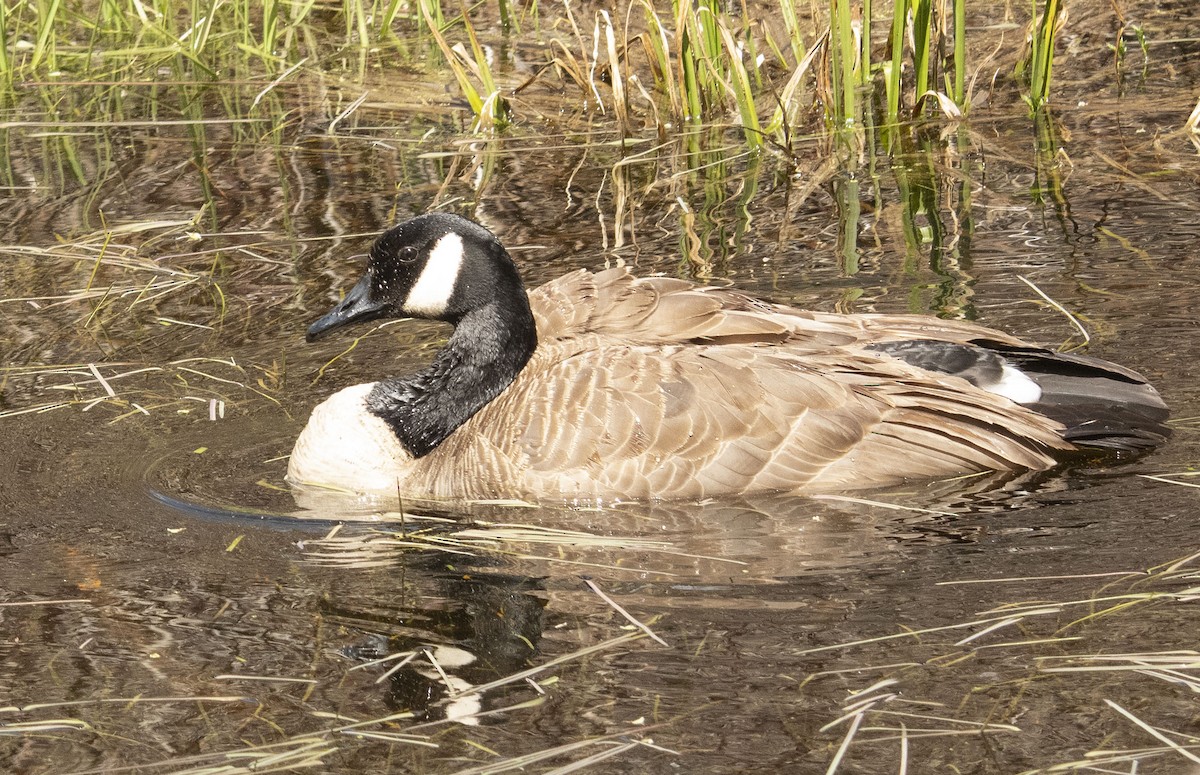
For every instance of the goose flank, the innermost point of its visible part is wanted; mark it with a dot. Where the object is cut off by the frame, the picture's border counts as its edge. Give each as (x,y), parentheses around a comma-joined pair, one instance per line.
(603,386)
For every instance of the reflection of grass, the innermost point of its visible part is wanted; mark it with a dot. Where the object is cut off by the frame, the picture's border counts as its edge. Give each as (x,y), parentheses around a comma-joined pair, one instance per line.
(514,541)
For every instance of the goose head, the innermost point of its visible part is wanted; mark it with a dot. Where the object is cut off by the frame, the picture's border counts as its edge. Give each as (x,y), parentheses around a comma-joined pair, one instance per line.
(437,266)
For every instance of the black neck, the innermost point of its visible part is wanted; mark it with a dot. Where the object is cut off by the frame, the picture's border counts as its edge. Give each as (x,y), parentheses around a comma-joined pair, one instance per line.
(489,347)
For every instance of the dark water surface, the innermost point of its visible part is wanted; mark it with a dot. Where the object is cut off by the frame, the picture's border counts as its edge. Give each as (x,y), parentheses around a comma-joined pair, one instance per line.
(792,624)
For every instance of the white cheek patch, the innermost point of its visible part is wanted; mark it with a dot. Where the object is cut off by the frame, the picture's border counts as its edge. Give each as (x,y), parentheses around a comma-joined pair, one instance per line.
(1015,386)
(430,295)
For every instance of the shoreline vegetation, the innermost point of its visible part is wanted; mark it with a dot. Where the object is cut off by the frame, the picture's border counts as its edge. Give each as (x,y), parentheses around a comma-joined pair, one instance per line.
(774,70)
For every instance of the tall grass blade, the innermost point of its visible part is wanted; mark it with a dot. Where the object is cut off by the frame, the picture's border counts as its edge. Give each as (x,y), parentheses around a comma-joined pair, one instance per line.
(787,112)
(922,31)
(741,88)
(1041,60)
(6,72)
(44,48)
(688,58)
(481,63)
(960,53)
(456,65)
(620,104)
(792,25)
(864,45)
(843,57)
(895,66)
(658,44)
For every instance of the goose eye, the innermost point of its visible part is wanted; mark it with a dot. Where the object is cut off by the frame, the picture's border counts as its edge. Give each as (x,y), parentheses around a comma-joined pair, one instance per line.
(407,254)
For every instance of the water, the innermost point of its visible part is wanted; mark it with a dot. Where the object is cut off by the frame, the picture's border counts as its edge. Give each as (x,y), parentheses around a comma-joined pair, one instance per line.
(152,551)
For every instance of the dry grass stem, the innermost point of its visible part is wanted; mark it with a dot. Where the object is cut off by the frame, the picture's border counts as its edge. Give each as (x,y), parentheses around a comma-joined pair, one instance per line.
(63,601)
(1025,579)
(1074,321)
(574,655)
(1193,121)
(845,745)
(628,616)
(880,504)
(525,760)
(267,678)
(1168,480)
(1157,735)
(405,655)
(121,701)
(47,725)
(396,668)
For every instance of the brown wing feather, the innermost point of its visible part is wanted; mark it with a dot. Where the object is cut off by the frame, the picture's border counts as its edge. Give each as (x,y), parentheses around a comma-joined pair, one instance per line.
(656,388)
(635,421)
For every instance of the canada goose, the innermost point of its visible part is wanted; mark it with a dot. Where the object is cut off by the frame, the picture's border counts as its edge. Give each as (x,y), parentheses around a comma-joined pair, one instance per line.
(602,386)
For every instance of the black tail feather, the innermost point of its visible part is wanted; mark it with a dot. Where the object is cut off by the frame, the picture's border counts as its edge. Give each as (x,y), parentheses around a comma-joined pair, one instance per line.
(1103,405)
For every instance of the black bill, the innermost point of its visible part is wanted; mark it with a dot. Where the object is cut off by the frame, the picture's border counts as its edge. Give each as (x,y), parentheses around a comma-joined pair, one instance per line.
(356,306)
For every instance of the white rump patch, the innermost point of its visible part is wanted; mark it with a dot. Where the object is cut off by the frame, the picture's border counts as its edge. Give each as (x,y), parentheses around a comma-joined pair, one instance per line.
(1015,386)
(431,293)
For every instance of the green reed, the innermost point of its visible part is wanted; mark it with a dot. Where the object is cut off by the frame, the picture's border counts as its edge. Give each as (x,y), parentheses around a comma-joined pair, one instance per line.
(45,48)
(921,22)
(960,53)
(135,38)
(701,62)
(470,68)
(429,15)
(845,65)
(738,78)
(1037,68)
(6,73)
